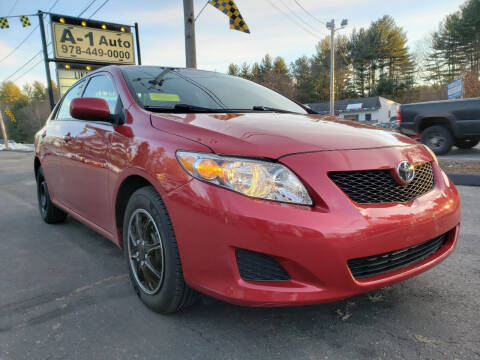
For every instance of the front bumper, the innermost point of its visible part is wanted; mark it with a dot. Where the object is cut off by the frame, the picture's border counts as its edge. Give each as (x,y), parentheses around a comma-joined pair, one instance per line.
(313,244)
(408,128)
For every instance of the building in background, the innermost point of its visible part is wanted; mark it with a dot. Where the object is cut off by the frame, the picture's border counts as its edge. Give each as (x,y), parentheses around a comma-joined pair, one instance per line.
(375,109)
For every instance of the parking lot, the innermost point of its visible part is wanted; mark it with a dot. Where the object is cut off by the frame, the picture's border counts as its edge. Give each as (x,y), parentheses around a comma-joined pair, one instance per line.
(65,294)
(463,154)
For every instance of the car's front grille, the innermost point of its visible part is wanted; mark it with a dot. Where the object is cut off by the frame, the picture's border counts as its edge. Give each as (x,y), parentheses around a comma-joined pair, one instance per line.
(379,264)
(378,186)
(254,266)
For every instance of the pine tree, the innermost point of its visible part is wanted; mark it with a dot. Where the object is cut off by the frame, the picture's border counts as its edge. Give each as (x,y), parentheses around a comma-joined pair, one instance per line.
(233,69)
(455,49)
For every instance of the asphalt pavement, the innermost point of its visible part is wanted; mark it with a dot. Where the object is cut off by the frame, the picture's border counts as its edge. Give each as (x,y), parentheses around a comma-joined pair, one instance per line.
(462,154)
(65,295)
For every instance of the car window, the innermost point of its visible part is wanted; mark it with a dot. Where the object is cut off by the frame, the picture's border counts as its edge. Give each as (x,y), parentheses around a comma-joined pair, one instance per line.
(102,87)
(74,92)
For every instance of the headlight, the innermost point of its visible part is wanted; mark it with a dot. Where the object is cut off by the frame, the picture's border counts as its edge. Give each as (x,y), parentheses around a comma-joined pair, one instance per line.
(259,179)
(432,153)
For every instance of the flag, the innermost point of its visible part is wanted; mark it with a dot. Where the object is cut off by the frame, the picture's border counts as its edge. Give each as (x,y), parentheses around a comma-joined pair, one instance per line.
(25,21)
(10,115)
(4,23)
(229,8)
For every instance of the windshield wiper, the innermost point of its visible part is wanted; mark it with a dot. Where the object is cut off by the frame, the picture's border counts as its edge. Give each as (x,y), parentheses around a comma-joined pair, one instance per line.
(267,108)
(181,108)
(186,108)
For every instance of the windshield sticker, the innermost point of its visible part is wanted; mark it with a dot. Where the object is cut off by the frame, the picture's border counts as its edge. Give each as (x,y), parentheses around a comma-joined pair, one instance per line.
(164,97)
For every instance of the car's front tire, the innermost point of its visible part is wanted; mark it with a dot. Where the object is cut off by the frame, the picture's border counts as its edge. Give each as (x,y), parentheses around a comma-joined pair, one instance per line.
(48,211)
(152,256)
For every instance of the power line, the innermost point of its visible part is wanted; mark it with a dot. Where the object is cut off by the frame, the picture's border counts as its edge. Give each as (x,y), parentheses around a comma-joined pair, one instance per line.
(19,44)
(30,69)
(25,64)
(27,37)
(309,13)
(40,61)
(53,5)
(12,8)
(98,9)
(294,20)
(309,26)
(88,7)
(21,67)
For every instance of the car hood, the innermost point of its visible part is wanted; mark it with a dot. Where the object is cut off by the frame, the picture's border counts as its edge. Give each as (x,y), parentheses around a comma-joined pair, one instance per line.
(273,135)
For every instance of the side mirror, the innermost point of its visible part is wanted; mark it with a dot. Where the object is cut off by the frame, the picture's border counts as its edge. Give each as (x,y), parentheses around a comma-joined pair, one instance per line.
(90,109)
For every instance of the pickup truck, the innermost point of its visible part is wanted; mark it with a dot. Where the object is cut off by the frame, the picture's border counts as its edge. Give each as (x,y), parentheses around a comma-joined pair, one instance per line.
(442,124)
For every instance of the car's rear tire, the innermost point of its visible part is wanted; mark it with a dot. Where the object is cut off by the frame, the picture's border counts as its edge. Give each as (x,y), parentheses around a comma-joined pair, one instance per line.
(152,256)
(438,138)
(49,212)
(467,143)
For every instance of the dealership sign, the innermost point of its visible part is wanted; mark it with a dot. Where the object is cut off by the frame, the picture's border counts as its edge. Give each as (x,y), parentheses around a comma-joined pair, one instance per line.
(68,77)
(83,43)
(455,88)
(68,74)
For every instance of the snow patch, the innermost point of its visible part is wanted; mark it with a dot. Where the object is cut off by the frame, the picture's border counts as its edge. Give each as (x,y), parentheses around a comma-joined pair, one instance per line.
(17,147)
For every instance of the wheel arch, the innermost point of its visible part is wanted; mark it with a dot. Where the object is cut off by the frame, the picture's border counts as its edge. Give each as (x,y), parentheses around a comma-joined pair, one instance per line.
(36,165)
(433,120)
(128,186)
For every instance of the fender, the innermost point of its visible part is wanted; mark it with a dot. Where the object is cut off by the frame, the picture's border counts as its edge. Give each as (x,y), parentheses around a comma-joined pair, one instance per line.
(157,164)
(419,119)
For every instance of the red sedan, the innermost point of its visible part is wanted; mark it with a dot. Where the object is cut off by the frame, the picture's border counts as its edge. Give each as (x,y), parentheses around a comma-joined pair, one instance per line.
(215,184)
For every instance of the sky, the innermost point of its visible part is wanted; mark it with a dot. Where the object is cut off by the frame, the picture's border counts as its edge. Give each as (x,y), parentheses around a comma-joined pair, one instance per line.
(272,31)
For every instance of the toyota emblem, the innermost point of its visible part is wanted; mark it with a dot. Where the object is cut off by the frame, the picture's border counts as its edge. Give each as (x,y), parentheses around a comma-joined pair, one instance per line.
(405,172)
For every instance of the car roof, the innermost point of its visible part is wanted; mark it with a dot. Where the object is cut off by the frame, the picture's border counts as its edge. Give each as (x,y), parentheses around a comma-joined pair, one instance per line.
(113,68)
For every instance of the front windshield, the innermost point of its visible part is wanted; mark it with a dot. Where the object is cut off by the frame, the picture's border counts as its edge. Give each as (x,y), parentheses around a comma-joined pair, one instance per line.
(168,89)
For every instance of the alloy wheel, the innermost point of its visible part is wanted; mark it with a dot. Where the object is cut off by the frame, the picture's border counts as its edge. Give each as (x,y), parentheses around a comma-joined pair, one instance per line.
(43,197)
(145,251)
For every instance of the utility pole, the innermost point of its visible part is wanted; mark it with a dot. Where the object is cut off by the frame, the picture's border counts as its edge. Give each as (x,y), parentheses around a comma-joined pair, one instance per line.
(331,27)
(189,19)
(4,131)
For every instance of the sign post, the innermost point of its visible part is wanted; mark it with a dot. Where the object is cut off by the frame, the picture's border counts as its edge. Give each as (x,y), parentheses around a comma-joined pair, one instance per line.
(46,60)
(137,40)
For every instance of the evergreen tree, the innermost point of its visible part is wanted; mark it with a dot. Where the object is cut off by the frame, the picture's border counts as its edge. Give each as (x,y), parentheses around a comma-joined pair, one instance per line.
(245,71)
(303,80)
(233,69)
(455,49)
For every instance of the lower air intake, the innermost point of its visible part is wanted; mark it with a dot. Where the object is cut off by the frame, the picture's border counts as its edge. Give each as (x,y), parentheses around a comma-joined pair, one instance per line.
(254,266)
(379,264)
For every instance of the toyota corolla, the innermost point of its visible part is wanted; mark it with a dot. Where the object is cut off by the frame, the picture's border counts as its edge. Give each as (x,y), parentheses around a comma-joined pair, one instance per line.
(214,184)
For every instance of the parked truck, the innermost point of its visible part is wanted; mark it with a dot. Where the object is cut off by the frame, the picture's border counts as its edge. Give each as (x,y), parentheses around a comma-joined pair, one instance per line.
(442,124)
